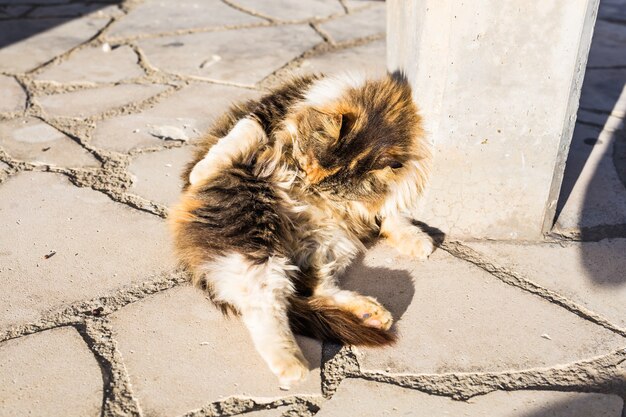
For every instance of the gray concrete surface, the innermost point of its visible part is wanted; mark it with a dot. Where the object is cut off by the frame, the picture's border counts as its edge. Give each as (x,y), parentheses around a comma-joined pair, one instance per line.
(100,105)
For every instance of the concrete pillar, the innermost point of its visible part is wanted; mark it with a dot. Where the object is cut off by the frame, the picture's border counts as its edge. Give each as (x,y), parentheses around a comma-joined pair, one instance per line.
(498,84)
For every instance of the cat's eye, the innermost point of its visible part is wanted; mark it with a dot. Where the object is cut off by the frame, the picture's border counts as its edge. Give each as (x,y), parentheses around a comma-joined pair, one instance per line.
(395,165)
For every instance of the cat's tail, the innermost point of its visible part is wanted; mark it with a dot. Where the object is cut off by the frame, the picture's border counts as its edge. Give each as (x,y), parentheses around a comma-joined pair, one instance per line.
(316,317)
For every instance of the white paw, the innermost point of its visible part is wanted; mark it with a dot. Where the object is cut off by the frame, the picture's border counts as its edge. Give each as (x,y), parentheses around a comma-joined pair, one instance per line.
(200,171)
(417,245)
(244,137)
(290,369)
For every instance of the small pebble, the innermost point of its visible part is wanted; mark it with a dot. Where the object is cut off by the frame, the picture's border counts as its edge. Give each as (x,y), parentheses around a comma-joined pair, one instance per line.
(545,336)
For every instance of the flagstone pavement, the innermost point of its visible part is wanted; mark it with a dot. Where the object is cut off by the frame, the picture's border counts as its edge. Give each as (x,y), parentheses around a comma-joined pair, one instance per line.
(100,104)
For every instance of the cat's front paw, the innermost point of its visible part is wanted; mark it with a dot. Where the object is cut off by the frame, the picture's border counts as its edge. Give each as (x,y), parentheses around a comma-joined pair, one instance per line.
(290,369)
(416,245)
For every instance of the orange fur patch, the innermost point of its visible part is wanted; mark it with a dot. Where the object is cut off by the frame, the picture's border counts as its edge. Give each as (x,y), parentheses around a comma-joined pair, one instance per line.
(315,173)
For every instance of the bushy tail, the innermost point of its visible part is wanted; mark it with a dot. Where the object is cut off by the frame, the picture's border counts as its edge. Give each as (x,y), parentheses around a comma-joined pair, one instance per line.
(316,317)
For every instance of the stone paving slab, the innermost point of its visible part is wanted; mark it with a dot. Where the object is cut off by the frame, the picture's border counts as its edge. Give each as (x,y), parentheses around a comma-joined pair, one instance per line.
(156,175)
(214,357)
(155,16)
(189,112)
(366,59)
(13,11)
(592,194)
(75,10)
(96,64)
(293,9)
(589,273)
(454,317)
(37,1)
(354,5)
(608,38)
(594,178)
(50,38)
(32,140)
(369,21)
(371,399)
(602,89)
(223,56)
(49,374)
(13,96)
(92,244)
(85,103)
(612,10)
(598,120)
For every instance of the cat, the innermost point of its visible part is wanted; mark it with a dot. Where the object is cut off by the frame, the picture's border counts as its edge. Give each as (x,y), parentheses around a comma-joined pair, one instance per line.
(279,198)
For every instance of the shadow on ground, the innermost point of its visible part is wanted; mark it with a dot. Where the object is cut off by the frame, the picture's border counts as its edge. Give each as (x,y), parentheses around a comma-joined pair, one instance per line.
(392,287)
(21,20)
(599,141)
(582,406)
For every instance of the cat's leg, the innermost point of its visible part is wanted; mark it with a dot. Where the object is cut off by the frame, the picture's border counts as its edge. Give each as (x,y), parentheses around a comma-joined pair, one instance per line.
(260,293)
(407,238)
(244,137)
(329,262)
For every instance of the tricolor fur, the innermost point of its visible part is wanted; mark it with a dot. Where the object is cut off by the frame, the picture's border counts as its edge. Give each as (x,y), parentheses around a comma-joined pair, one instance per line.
(279,198)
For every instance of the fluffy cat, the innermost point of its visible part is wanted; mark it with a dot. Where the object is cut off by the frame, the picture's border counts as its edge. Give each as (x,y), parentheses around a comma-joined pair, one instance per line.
(281,195)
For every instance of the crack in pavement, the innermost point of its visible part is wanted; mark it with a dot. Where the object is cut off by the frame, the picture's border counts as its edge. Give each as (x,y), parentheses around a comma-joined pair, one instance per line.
(603,374)
(591,233)
(280,74)
(118,399)
(250,12)
(79,312)
(239,405)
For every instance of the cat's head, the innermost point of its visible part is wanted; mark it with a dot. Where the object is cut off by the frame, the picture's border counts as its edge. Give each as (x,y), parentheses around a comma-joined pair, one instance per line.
(354,139)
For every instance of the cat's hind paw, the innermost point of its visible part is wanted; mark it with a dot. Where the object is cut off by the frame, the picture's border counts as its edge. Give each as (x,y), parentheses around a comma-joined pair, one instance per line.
(370,312)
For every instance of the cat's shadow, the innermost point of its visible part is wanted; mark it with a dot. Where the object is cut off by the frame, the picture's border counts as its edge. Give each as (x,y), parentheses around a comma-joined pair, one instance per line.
(393,288)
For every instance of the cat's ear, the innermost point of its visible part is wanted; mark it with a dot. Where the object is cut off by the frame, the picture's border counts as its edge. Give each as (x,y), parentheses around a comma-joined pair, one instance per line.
(347,123)
(400,78)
